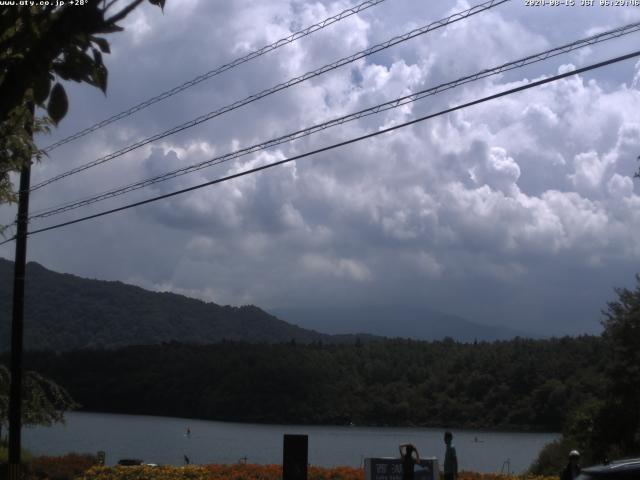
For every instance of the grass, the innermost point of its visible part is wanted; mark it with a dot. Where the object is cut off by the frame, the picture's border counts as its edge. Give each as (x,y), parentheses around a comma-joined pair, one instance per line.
(4,454)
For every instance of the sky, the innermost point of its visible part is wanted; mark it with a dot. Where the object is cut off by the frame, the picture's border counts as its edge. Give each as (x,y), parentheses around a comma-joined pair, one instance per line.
(522,211)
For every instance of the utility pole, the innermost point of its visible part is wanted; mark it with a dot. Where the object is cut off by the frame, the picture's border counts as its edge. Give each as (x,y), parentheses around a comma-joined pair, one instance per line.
(17,322)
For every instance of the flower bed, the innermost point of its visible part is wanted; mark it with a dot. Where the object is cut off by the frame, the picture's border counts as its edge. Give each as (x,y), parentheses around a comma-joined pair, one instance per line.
(251,472)
(65,467)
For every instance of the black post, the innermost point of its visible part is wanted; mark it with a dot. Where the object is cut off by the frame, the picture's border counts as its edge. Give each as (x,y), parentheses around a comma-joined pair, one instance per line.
(15,392)
(295,457)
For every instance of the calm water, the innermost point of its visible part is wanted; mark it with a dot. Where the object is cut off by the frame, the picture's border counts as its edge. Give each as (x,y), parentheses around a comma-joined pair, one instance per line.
(163,440)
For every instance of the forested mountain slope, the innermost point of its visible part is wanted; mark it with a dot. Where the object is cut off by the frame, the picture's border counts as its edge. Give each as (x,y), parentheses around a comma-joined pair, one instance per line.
(65,312)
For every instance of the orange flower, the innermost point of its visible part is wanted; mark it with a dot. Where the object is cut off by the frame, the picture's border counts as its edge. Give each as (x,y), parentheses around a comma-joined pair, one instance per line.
(252,472)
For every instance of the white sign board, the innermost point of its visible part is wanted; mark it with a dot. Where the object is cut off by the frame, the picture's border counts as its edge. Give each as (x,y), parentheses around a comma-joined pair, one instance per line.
(389,468)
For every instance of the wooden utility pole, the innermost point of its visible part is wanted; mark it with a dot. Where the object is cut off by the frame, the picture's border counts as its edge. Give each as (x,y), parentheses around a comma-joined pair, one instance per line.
(17,323)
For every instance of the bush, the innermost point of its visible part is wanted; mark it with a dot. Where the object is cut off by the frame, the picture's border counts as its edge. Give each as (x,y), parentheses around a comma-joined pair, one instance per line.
(4,454)
(65,467)
(553,457)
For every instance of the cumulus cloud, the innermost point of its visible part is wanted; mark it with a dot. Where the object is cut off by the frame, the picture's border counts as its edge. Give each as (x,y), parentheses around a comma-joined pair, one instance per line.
(497,170)
(339,267)
(506,212)
(636,78)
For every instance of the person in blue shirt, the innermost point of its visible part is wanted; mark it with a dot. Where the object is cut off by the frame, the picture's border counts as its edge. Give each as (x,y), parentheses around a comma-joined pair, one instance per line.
(450,458)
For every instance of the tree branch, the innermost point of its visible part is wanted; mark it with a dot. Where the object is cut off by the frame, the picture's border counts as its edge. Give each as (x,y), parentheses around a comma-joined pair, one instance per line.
(124,12)
(109,5)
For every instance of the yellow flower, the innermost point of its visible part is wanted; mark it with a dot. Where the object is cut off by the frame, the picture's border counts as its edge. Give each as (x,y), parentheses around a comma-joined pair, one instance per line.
(252,472)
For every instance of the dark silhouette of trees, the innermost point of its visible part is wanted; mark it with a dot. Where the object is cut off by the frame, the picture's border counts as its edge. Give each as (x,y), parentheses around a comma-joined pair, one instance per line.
(605,423)
(40,46)
(617,428)
(44,401)
(509,384)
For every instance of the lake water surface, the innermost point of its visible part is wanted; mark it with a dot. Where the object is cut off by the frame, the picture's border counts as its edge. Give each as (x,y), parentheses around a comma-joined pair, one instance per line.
(163,440)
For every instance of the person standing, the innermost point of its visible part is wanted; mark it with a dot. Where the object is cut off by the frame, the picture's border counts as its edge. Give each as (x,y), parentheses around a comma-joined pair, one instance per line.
(410,456)
(572,470)
(450,458)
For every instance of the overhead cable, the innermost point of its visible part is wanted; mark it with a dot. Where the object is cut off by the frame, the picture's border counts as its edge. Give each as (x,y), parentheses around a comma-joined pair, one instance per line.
(217,71)
(257,96)
(340,144)
(604,36)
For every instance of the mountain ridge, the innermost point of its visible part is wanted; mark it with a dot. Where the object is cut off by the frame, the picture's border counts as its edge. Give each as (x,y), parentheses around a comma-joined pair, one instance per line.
(415,322)
(66,312)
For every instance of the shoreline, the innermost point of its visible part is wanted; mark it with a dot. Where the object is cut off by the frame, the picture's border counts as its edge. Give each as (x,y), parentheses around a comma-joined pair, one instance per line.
(513,429)
(163,440)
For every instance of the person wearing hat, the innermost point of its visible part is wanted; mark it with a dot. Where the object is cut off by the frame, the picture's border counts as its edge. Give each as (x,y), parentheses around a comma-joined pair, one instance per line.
(572,470)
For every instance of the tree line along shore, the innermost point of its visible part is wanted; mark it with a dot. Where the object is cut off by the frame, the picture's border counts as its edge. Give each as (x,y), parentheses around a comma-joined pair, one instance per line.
(519,384)
(587,387)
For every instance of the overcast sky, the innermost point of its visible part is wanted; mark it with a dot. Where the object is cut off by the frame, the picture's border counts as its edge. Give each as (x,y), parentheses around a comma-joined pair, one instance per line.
(522,211)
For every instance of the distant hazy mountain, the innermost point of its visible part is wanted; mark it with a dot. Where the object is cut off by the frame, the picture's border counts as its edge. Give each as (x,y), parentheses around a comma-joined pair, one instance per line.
(420,323)
(64,312)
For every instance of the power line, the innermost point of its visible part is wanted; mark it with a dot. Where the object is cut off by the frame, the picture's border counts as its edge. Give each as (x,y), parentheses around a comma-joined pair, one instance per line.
(217,71)
(341,144)
(611,34)
(257,96)
(4,228)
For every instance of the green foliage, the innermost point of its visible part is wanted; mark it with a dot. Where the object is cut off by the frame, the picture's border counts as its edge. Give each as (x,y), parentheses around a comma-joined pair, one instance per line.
(58,103)
(17,147)
(554,457)
(617,426)
(25,455)
(65,312)
(43,403)
(606,422)
(40,45)
(580,427)
(392,382)
(622,333)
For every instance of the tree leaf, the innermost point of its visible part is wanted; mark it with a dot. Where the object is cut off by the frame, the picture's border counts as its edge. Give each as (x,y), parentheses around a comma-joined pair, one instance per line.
(100,75)
(102,44)
(82,41)
(41,87)
(106,28)
(58,103)
(97,56)
(75,65)
(159,3)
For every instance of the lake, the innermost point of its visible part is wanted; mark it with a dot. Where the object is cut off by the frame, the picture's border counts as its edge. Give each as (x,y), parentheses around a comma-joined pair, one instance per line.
(163,440)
